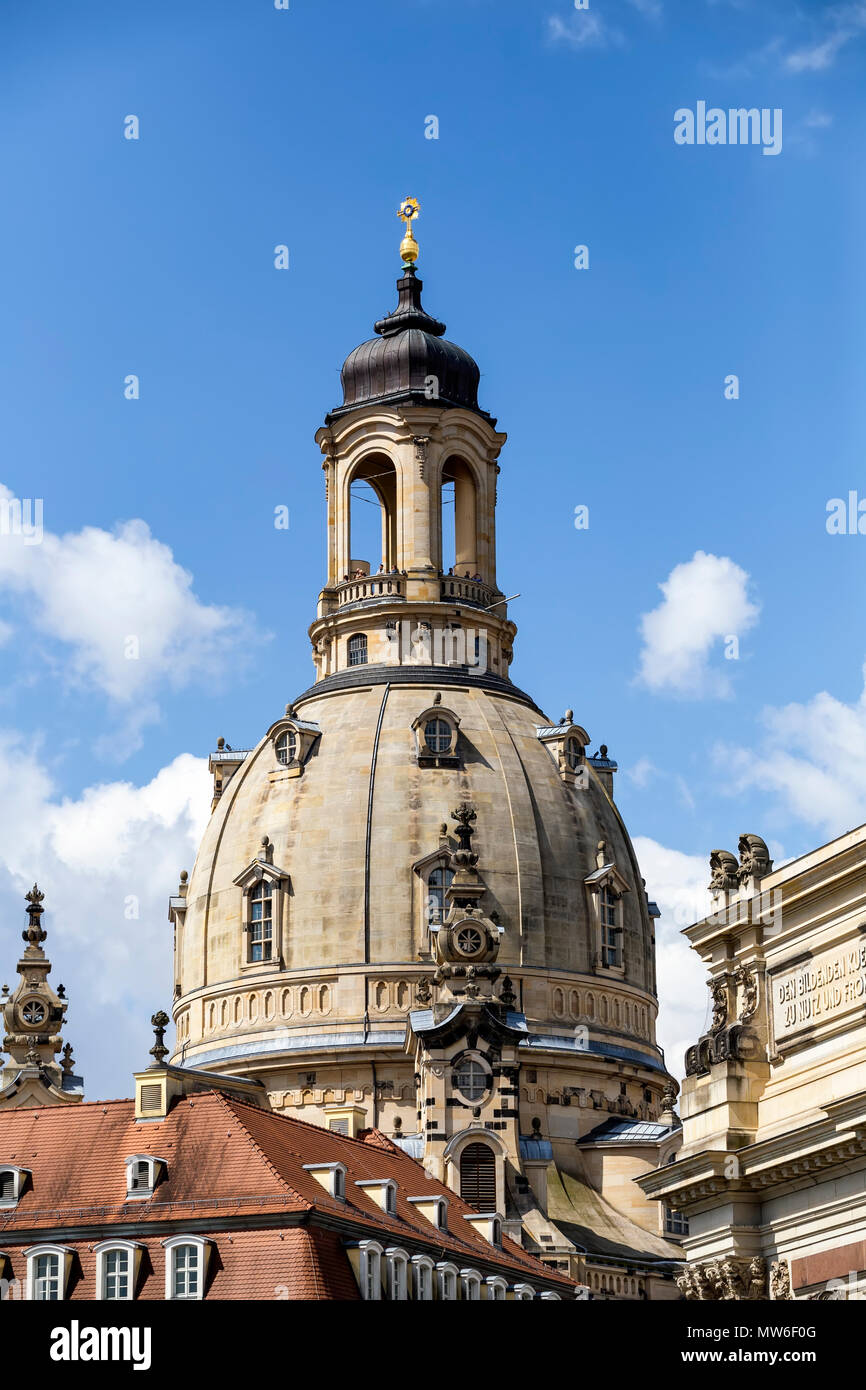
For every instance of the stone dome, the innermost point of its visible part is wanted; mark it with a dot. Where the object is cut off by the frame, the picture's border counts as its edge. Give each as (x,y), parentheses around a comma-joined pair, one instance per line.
(354,834)
(410,350)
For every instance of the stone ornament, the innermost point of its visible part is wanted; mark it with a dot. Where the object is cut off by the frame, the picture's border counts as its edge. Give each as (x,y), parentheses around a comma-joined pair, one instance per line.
(755,861)
(719,992)
(730,1279)
(723,871)
(748,984)
(780,1280)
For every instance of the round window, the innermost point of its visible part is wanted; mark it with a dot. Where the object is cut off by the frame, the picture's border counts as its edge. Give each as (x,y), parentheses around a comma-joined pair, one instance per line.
(573,753)
(437,735)
(33,1012)
(468,940)
(471,1079)
(286,747)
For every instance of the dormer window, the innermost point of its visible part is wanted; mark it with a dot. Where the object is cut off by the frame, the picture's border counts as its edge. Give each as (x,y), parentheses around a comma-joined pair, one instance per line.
(12,1181)
(383,1192)
(291,739)
(573,754)
(286,747)
(566,743)
(438,881)
(436,731)
(423,1268)
(606,889)
(143,1172)
(433,1209)
(398,1266)
(264,888)
(331,1176)
(438,736)
(261,922)
(470,1281)
(611,935)
(488,1225)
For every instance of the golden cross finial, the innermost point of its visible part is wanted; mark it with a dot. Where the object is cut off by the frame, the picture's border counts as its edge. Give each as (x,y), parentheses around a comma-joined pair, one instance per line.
(407,213)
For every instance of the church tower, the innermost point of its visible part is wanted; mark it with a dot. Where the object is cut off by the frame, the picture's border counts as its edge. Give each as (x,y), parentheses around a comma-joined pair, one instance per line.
(33,1016)
(416,905)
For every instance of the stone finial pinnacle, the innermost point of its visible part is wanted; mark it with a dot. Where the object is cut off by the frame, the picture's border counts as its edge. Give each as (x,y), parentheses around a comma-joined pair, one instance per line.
(159,1051)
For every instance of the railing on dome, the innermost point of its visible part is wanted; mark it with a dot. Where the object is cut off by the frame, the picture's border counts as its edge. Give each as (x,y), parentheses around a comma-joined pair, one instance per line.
(453,587)
(370,586)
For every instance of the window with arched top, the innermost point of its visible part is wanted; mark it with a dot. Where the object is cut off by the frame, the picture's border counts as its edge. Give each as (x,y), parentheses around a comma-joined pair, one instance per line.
(573,754)
(438,735)
(286,747)
(478,1176)
(357,649)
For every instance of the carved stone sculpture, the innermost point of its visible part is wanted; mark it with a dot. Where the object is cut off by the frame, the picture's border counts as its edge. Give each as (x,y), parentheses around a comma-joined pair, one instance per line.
(755,861)
(723,871)
(780,1280)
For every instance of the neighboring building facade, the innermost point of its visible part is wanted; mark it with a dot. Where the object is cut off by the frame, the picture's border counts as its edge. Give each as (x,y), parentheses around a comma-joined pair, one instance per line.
(772,1171)
(308,938)
(216,1197)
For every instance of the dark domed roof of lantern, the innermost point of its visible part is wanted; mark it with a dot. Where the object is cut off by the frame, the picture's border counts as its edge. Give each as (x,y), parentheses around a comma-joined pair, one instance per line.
(397,366)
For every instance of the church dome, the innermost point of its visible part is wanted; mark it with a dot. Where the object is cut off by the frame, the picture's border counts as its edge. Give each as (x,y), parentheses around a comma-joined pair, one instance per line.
(354,831)
(410,361)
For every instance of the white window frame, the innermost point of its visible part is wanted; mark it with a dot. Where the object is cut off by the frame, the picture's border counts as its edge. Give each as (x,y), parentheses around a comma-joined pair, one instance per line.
(132,1250)
(522,1292)
(447,1281)
(371,1270)
(550,1297)
(470,1285)
(397,1274)
(20,1176)
(155,1167)
(63,1255)
(171,1246)
(422,1283)
(497,1288)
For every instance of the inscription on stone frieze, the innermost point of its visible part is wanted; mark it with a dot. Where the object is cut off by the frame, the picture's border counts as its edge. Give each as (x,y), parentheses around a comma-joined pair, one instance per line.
(818,990)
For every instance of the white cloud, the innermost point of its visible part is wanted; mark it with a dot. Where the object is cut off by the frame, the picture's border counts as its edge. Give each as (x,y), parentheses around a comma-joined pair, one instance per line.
(705,602)
(642,773)
(845,23)
(583,29)
(678,883)
(113,852)
(588,28)
(812,757)
(123,610)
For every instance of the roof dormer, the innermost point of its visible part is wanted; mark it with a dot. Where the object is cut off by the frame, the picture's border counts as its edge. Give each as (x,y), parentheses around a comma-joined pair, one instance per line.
(291,742)
(330,1176)
(143,1173)
(566,742)
(383,1191)
(12,1182)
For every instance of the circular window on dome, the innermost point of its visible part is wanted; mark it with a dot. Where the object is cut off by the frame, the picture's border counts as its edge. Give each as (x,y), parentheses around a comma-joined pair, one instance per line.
(573,753)
(438,735)
(468,939)
(471,1078)
(286,747)
(33,1013)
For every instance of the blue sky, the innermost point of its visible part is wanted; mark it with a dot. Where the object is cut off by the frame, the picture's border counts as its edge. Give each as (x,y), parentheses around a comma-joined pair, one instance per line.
(306,127)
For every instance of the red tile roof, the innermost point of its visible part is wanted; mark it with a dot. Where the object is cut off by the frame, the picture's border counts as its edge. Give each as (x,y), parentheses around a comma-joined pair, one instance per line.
(224,1159)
